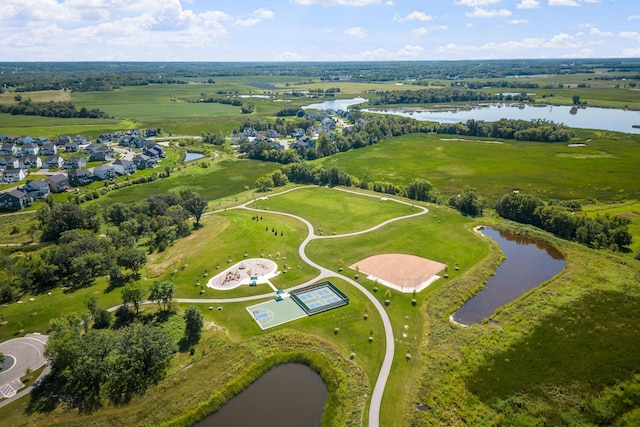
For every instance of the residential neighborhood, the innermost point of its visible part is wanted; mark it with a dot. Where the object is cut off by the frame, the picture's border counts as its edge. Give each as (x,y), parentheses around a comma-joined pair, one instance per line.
(64,160)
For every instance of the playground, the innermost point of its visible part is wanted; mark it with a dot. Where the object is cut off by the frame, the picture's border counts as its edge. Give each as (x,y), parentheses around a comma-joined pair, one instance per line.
(248,272)
(405,273)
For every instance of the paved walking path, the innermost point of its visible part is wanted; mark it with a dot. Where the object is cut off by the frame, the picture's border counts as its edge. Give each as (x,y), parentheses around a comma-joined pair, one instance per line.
(385,369)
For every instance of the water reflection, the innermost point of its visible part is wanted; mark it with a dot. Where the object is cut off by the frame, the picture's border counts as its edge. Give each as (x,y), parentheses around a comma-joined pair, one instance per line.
(289,395)
(528,263)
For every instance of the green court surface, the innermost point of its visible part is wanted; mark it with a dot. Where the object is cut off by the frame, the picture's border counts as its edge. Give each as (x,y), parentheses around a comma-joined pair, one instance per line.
(273,313)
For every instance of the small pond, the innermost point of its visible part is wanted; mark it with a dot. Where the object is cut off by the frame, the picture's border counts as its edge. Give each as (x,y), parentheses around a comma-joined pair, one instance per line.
(192,156)
(289,395)
(528,263)
(334,104)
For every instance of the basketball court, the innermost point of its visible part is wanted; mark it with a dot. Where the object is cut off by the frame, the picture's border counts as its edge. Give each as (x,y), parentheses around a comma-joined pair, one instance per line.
(300,303)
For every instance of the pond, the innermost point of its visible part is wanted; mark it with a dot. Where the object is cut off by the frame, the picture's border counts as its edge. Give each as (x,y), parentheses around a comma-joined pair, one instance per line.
(528,263)
(289,395)
(334,104)
(192,156)
(584,118)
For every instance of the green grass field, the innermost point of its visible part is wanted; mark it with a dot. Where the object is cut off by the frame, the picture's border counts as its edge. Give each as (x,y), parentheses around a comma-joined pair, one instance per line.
(550,171)
(331,211)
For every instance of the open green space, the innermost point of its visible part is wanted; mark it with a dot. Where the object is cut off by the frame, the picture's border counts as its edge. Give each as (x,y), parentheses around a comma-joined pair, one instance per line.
(224,240)
(332,211)
(53,127)
(604,169)
(214,180)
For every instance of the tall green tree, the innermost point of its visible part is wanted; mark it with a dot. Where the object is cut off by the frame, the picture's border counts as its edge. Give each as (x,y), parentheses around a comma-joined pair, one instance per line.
(194,322)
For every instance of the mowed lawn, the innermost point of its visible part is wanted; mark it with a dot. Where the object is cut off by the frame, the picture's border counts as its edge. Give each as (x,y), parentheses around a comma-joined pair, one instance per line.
(221,178)
(332,211)
(223,241)
(605,169)
(440,235)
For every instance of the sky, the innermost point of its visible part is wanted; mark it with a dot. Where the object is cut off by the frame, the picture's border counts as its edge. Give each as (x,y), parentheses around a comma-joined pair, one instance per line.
(316,30)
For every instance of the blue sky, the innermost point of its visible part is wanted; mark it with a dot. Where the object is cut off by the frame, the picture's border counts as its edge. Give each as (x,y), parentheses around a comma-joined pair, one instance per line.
(316,30)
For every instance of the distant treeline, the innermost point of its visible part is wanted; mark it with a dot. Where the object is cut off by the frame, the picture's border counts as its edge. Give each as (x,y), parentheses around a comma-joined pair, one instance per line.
(440,95)
(521,130)
(105,76)
(608,232)
(103,83)
(61,109)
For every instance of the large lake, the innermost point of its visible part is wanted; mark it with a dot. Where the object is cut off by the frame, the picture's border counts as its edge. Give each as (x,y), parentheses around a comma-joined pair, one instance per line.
(583,118)
(528,264)
(289,395)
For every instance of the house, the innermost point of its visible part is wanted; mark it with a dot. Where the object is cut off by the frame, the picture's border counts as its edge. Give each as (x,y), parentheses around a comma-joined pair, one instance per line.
(78,177)
(52,162)
(49,149)
(30,162)
(30,149)
(22,140)
(144,162)
(63,140)
(75,163)
(272,134)
(81,140)
(105,138)
(101,156)
(124,167)
(104,172)
(13,175)
(8,149)
(154,150)
(92,148)
(71,147)
(9,163)
(58,183)
(36,189)
(148,133)
(14,200)
(41,140)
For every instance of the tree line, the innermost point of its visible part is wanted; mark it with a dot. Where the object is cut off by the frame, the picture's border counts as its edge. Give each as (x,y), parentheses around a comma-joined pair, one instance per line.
(79,254)
(564,221)
(538,130)
(61,109)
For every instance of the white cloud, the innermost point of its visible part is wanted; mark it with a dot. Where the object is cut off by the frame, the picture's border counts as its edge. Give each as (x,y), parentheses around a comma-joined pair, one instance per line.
(357,32)
(517,21)
(631,53)
(389,3)
(335,2)
(632,17)
(287,56)
(257,16)
(479,12)
(420,32)
(407,52)
(597,32)
(413,16)
(528,4)
(629,35)
(477,3)
(563,3)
